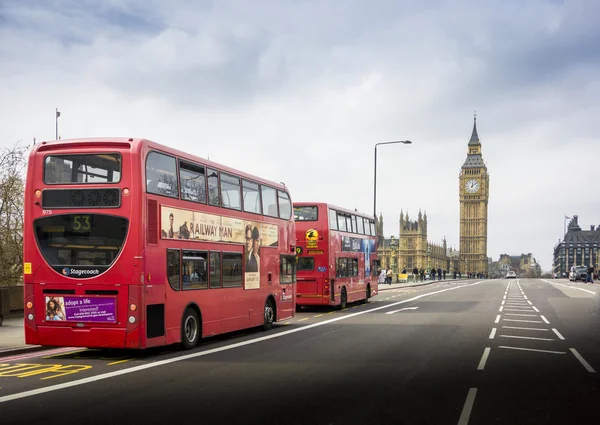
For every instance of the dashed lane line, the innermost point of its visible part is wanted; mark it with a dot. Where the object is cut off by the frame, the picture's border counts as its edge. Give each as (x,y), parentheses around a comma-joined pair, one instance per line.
(558,334)
(526,329)
(527,337)
(484,358)
(522,320)
(531,349)
(468,407)
(582,361)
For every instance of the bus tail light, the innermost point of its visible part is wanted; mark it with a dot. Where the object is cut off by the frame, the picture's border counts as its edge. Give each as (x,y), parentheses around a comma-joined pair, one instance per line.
(326,288)
(38,193)
(132,314)
(326,280)
(126,192)
(29,305)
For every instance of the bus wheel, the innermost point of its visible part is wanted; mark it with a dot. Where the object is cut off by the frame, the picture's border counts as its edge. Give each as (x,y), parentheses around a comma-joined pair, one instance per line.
(269,315)
(368,294)
(190,329)
(344,300)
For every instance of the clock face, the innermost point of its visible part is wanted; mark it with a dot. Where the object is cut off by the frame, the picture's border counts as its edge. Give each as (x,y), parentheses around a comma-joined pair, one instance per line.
(472,186)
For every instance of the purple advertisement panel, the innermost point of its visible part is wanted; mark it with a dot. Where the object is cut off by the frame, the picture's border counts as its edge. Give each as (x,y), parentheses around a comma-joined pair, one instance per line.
(81,309)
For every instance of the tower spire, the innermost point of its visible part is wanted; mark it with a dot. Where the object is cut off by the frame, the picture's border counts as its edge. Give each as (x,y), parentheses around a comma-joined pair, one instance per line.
(474,136)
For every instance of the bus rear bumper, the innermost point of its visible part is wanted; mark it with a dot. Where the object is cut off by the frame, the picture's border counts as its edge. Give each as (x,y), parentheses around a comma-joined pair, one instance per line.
(312,300)
(89,337)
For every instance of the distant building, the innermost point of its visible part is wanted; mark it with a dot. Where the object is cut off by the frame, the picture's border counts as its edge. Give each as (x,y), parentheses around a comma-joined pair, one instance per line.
(524,265)
(412,249)
(578,248)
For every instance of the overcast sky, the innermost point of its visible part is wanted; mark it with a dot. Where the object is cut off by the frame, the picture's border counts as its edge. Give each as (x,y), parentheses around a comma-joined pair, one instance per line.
(300,91)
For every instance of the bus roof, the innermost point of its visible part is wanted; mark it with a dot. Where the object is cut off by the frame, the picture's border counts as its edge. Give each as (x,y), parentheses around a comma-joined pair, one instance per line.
(340,209)
(136,144)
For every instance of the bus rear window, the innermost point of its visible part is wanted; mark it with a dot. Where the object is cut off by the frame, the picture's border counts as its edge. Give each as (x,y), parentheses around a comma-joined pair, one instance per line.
(80,245)
(305,263)
(306,213)
(70,169)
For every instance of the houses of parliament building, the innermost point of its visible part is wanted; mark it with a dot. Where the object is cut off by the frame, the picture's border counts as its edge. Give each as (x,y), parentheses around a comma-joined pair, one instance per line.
(413,250)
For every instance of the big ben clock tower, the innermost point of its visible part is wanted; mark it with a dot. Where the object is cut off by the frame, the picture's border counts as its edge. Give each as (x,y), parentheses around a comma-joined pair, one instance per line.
(474,194)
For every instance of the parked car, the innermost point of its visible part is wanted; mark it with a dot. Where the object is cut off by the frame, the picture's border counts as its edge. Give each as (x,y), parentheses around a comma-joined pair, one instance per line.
(511,275)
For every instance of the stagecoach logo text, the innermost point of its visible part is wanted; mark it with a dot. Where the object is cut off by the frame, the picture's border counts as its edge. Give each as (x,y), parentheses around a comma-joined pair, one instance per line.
(79,272)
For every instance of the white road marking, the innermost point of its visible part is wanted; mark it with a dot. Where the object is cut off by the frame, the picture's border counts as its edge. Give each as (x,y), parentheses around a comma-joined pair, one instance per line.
(525,296)
(497,319)
(504,297)
(402,309)
(493,333)
(569,286)
(532,349)
(501,308)
(528,309)
(466,412)
(536,310)
(545,320)
(558,334)
(521,314)
(529,302)
(484,358)
(582,360)
(503,302)
(527,337)
(158,363)
(525,329)
(519,320)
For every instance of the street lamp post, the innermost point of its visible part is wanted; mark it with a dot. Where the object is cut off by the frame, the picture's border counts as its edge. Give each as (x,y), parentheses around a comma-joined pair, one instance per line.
(404,142)
(393,247)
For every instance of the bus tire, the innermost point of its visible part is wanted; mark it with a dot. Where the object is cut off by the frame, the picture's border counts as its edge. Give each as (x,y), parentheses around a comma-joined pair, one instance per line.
(344,299)
(269,315)
(368,293)
(190,329)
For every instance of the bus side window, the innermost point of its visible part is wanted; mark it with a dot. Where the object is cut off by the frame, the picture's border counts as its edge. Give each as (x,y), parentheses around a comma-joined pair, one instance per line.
(174,268)
(161,175)
(213,187)
(342,267)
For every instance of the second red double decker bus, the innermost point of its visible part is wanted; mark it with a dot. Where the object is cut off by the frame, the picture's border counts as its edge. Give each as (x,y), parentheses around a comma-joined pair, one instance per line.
(337,255)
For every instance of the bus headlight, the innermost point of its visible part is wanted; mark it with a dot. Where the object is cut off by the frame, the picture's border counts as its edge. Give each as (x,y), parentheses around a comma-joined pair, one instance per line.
(131,319)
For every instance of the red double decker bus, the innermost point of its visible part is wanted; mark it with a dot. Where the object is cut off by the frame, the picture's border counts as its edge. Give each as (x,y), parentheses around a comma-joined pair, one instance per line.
(131,244)
(337,255)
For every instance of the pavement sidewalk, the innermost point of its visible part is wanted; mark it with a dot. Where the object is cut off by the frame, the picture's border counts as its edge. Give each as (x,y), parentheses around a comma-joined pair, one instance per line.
(12,337)
(385,286)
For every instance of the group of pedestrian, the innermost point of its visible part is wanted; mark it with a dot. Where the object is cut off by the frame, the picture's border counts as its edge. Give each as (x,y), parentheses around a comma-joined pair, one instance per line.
(385,276)
(590,275)
(420,274)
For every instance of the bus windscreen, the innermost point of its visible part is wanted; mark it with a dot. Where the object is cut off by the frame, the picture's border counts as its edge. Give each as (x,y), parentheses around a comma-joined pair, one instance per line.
(80,245)
(309,213)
